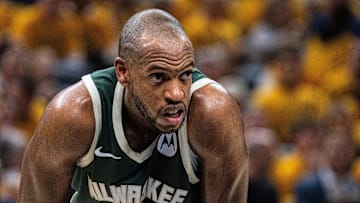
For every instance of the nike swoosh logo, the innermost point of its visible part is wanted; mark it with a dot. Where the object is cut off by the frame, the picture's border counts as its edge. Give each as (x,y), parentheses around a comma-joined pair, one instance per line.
(99,153)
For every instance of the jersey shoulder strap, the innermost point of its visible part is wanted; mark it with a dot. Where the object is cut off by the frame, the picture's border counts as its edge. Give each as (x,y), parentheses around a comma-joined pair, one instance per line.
(101,86)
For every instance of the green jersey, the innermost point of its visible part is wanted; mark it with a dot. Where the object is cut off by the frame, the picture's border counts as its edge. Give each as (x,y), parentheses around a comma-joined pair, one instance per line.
(112,172)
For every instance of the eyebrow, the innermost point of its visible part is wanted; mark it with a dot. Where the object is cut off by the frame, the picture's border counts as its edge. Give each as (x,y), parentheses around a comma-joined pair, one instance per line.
(191,63)
(158,67)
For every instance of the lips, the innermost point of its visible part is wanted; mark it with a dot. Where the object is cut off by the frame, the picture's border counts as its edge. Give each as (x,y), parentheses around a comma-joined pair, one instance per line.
(174,115)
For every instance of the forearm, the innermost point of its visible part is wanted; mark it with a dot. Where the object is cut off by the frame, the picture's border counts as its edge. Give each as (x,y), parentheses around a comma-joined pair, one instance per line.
(44,176)
(228,184)
(238,188)
(38,185)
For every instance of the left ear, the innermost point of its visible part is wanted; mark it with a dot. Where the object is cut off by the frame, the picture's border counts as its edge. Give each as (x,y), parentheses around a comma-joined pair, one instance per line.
(122,72)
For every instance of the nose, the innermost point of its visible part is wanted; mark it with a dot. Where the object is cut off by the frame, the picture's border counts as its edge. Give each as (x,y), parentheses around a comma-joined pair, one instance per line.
(174,92)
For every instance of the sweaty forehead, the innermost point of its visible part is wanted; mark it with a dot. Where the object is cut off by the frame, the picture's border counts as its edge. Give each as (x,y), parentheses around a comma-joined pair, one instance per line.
(168,45)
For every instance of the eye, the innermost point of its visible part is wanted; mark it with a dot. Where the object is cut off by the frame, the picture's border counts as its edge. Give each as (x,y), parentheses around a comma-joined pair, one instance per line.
(186,76)
(157,77)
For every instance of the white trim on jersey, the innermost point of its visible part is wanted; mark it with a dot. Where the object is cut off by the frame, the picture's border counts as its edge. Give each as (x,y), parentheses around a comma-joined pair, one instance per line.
(189,158)
(200,83)
(96,102)
(119,130)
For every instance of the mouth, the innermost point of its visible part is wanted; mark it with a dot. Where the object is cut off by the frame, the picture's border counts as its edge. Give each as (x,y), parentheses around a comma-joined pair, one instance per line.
(174,116)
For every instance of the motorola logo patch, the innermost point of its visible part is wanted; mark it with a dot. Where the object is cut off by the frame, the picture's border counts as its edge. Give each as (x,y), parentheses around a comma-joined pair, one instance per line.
(167,144)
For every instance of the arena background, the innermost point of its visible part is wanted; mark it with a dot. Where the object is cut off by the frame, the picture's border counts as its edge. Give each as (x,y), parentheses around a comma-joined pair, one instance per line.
(292,65)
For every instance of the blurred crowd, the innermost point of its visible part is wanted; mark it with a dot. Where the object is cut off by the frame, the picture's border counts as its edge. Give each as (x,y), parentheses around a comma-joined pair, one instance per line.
(293,66)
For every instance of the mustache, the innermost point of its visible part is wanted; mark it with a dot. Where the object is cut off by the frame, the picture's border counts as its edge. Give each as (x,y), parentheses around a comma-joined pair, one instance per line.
(173,108)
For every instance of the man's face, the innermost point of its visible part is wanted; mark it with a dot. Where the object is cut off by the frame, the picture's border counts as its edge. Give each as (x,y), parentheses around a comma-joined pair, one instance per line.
(160,83)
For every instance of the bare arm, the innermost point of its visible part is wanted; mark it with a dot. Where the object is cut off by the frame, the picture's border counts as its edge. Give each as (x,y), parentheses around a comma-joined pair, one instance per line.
(63,135)
(216,135)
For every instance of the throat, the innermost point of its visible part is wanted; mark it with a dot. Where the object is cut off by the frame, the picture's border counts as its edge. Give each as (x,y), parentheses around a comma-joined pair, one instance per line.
(139,141)
(138,133)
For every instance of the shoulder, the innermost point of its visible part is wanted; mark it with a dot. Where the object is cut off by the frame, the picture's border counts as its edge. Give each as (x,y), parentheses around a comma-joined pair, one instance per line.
(213,112)
(68,120)
(213,103)
(72,104)
(215,133)
(63,135)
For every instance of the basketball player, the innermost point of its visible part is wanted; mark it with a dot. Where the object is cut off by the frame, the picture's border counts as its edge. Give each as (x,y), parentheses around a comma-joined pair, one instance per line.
(150,129)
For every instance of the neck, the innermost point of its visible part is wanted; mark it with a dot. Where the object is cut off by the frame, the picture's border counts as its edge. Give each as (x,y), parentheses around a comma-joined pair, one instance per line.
(138,131)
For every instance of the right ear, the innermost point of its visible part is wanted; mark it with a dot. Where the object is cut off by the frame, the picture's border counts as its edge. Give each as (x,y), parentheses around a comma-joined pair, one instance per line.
(122,72)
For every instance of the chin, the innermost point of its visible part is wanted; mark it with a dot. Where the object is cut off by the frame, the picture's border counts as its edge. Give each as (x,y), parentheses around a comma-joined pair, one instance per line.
(169,129)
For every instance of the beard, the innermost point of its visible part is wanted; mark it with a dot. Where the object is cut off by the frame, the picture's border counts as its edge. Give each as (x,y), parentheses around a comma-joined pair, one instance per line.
(145,113)
(140,106)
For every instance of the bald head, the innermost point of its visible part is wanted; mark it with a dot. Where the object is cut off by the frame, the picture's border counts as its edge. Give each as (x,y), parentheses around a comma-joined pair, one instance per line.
(147,26)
